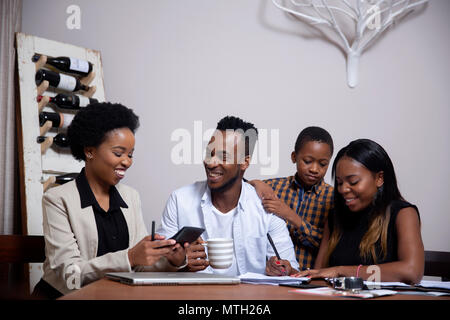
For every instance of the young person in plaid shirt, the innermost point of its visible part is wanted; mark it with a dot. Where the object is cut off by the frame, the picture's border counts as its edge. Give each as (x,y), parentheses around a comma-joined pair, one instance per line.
(304,199)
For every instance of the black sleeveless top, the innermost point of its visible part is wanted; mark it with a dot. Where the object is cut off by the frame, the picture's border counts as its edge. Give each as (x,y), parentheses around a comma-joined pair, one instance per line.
(347,253)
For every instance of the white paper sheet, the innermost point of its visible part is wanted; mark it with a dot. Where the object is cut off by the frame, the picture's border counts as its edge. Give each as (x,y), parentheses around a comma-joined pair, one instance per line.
(258,278)
(435,284)
(423,283)
(385,284)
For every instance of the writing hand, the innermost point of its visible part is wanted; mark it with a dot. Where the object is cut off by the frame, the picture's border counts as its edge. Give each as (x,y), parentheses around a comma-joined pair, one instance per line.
(275,267)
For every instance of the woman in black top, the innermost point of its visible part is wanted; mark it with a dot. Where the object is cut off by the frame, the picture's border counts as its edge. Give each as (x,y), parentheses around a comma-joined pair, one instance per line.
(371,224)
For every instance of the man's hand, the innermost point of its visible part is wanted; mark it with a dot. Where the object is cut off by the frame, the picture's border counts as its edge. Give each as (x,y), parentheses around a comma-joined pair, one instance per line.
(177,255)
(196,256)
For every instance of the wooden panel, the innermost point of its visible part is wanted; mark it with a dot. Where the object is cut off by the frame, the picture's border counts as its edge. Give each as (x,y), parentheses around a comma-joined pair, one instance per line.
(437,263)
(105,289)
(35,168)
(16,252)
(21,249)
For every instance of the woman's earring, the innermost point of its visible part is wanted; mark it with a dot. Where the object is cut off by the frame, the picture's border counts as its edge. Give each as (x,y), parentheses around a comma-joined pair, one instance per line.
(89,156)
(377,196)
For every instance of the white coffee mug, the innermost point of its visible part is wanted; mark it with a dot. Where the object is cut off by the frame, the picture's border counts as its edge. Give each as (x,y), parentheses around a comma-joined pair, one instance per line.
(220,252)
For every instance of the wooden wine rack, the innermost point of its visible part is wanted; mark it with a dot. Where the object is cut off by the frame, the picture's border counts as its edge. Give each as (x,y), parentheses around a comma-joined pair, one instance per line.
(40,163)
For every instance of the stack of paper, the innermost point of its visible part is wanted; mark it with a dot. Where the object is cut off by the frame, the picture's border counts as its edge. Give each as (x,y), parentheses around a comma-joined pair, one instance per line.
(435,284)
(435,288)
(423,284)
(257,278)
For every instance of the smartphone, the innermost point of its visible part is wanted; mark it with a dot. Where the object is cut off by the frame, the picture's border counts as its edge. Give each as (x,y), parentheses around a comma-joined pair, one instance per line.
(187,234)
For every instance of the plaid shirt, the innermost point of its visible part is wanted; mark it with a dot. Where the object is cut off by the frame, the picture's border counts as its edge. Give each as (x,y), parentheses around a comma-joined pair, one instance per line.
(313,207)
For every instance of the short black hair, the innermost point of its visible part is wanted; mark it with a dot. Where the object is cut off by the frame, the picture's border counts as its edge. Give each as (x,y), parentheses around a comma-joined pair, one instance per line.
(91,124)
(313,134)
(249,130)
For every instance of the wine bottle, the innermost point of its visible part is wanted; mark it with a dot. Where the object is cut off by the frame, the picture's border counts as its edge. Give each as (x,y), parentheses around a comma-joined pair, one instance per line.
(59,80)
(68,64)
(66,177)
(57,119)
(60,140)
(70,101)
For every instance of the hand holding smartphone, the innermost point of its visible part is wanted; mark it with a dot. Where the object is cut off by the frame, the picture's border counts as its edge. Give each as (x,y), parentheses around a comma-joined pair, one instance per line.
(185,234)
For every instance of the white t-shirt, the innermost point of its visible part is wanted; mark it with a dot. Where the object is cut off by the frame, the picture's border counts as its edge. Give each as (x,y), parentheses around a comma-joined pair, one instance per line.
(192,206)
(222,227)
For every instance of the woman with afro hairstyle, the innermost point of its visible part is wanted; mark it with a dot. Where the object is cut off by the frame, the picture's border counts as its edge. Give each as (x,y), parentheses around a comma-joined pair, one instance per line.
(93,224)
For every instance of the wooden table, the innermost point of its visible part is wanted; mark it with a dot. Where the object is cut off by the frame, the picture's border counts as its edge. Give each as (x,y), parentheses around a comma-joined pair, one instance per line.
(106,289)
(243,301)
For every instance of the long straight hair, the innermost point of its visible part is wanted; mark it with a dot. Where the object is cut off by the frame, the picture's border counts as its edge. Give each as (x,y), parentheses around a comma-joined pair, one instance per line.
(372,156)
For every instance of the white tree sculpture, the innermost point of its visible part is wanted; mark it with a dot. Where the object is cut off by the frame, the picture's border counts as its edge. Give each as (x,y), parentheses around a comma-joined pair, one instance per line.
(369,18)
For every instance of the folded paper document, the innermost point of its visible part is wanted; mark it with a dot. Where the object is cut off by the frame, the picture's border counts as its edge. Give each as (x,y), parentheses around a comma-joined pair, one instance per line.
(257,278)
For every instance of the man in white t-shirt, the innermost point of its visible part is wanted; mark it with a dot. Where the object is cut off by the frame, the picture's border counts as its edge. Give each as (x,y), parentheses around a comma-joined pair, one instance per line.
(227,207)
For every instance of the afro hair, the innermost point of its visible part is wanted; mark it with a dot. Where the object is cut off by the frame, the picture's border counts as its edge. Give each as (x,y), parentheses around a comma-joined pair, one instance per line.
(91,124)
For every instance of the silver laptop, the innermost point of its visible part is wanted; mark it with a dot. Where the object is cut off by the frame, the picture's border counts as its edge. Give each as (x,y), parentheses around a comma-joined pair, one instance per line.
(170,278)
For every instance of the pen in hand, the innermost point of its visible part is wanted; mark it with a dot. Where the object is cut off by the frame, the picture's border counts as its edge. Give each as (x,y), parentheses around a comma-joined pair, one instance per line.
(153,230)
(283,272)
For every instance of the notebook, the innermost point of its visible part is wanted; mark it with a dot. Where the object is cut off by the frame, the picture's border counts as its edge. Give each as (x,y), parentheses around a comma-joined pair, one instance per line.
(170,278)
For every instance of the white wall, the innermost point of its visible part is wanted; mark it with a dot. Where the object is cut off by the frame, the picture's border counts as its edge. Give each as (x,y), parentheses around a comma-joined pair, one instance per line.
(177,61)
